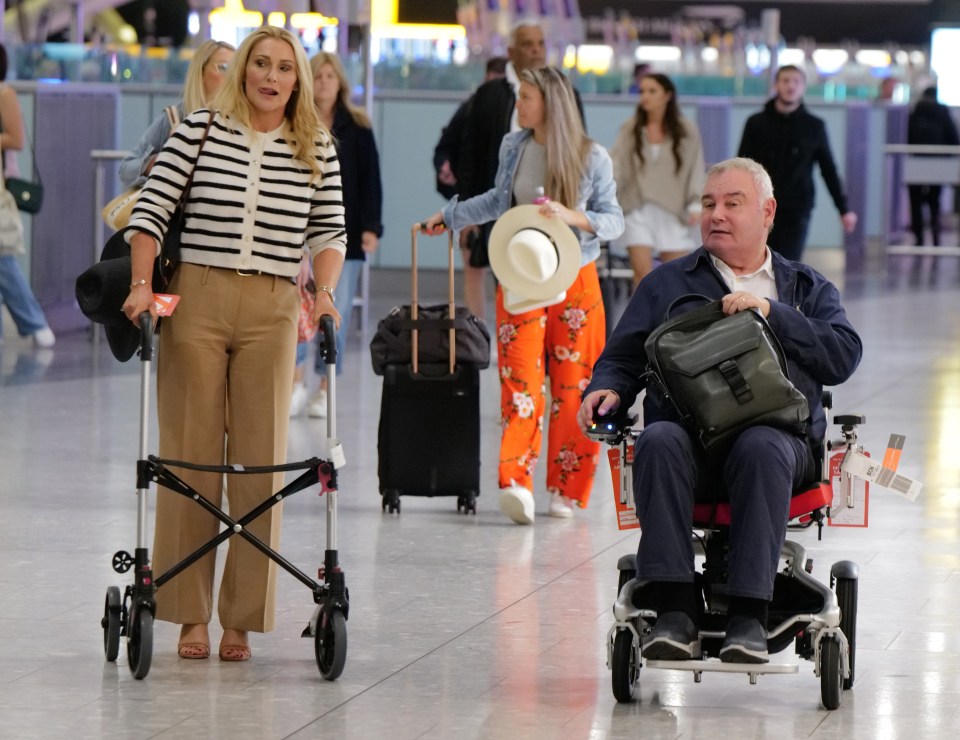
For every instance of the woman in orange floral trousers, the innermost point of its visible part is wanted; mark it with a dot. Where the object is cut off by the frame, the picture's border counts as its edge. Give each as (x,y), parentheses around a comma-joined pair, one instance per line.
(551,155)
(562,342)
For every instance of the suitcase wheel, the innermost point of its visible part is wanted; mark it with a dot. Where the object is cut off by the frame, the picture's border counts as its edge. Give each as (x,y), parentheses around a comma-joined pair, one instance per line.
(467,502)
(390,502)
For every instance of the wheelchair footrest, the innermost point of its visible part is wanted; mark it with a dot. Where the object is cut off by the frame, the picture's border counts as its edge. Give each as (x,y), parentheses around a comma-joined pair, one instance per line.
(715,665)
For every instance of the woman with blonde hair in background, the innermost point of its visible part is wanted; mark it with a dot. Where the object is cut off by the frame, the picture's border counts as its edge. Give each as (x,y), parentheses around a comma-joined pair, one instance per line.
(550,156)
(266,185)
(362,200)
(205,75)
(659,169)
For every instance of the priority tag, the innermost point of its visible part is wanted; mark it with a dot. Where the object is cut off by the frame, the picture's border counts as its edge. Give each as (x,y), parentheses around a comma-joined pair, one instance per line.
(336,453)
(620,472)
(165,303)
(843,513)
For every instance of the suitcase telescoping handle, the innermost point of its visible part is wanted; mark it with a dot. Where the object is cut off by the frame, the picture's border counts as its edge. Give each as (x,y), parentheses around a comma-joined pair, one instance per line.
(417,228)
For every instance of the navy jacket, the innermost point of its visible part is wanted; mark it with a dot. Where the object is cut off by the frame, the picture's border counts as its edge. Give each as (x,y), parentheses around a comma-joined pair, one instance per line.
(821,346)
(360,179)
(788,145)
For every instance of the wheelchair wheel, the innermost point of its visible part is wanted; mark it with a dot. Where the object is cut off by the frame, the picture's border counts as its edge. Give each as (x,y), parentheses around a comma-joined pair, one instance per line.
(111,624)
(140,642)
(831,678)
(847,597)
(625,577)
(625,666)
(330,643)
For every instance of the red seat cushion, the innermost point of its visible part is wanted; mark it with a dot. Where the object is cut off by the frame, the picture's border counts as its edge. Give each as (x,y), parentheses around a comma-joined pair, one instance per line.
(803,503)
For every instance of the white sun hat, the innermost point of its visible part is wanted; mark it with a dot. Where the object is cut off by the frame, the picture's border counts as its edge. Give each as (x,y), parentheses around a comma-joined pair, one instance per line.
(535,258)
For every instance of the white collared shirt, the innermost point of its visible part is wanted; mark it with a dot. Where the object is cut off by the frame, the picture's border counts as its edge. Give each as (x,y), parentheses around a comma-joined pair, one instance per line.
(761,283)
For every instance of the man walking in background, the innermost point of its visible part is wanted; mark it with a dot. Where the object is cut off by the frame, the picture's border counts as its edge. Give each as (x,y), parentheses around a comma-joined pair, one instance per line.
(446,155)
(788,140)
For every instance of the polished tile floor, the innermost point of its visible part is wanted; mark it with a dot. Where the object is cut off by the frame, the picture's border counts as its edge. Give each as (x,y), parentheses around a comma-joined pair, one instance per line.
(464,626)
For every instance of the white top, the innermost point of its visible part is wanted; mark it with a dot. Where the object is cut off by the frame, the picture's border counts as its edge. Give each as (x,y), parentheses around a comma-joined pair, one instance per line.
(761,283)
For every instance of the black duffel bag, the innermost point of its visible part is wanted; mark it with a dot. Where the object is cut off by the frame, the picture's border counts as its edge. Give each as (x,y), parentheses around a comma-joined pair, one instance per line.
(392,343)
(723,373)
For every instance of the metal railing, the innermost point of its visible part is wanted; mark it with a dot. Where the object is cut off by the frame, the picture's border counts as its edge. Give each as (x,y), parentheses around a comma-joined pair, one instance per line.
(920,165)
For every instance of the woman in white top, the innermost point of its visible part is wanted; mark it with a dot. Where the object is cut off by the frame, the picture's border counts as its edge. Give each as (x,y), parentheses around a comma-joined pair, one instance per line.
(658,166)
(266,184)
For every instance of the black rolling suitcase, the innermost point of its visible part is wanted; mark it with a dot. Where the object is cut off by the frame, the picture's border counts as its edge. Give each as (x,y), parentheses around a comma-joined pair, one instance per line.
(429,436)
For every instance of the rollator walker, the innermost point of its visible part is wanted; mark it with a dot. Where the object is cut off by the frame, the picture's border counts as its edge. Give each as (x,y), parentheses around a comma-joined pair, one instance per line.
(819,620)
(131,613)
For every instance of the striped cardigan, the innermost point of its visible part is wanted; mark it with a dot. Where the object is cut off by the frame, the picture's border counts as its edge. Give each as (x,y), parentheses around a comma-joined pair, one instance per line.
(251,205)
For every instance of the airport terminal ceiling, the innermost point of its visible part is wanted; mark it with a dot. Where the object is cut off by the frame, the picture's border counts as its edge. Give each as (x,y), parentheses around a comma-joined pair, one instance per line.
(905,22)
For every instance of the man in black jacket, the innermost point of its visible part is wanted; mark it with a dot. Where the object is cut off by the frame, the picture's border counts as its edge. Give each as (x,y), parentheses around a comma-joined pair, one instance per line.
(929,124)
(492,115)
(787,140)
(446,155)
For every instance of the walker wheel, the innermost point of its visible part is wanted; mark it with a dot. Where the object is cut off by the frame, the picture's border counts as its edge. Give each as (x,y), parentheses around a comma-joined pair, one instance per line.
(111,623)
(330,643)
(122,561)
(140,642)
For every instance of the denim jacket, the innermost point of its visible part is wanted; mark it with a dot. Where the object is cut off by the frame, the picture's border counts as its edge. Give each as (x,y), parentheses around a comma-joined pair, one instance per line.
(597,199)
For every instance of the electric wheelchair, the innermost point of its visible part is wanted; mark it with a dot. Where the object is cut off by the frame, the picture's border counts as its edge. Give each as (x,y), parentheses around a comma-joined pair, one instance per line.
(819,620)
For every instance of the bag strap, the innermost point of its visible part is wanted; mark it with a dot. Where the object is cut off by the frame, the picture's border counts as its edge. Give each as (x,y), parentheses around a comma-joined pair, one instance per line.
(33,155)
(685,298)
(182,203)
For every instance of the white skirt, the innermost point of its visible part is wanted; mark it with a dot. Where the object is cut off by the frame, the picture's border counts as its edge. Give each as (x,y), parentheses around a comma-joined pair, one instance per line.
(653,226)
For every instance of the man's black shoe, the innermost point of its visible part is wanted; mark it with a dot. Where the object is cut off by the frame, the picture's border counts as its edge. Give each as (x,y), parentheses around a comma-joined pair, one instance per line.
(746,641)
(674,637)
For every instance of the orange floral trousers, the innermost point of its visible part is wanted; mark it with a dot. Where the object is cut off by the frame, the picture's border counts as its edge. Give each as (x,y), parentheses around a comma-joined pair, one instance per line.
(562,341)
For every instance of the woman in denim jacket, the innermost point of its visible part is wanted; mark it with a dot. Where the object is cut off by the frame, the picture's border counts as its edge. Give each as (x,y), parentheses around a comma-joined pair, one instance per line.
(553,156)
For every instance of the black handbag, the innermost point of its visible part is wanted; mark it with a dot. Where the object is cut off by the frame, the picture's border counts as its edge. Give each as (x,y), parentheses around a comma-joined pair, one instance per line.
(723,373)
(392,344)
(170,249)
(28,195)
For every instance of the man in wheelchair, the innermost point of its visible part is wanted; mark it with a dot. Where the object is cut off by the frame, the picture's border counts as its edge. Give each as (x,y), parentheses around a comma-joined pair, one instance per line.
(758,471)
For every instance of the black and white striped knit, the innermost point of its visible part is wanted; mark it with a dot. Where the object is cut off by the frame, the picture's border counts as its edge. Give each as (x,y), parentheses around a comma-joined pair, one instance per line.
(251,206)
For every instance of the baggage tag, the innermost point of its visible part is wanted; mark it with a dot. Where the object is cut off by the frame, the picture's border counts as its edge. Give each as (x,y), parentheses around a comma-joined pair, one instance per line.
(165,303)
(336,453)
(856,514)
(884,473)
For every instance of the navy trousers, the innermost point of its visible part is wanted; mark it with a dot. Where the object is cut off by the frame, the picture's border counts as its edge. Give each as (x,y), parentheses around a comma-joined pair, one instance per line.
(758,476)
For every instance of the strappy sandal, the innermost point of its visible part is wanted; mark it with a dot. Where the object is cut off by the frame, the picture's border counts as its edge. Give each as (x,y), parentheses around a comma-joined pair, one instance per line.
(193,650)
(234,653)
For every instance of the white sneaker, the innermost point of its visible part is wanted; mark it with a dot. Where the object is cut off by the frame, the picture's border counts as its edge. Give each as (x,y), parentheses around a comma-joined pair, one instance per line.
(560,506)
(517,503)
(317,407)
(298,399)
(44,338)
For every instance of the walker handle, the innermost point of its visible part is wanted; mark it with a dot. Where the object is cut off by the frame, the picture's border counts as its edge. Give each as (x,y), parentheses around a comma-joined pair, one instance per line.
(146,337)
(329,349)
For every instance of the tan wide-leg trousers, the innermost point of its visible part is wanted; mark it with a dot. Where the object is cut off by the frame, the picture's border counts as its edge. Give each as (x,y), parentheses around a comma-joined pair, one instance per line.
(230,344)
